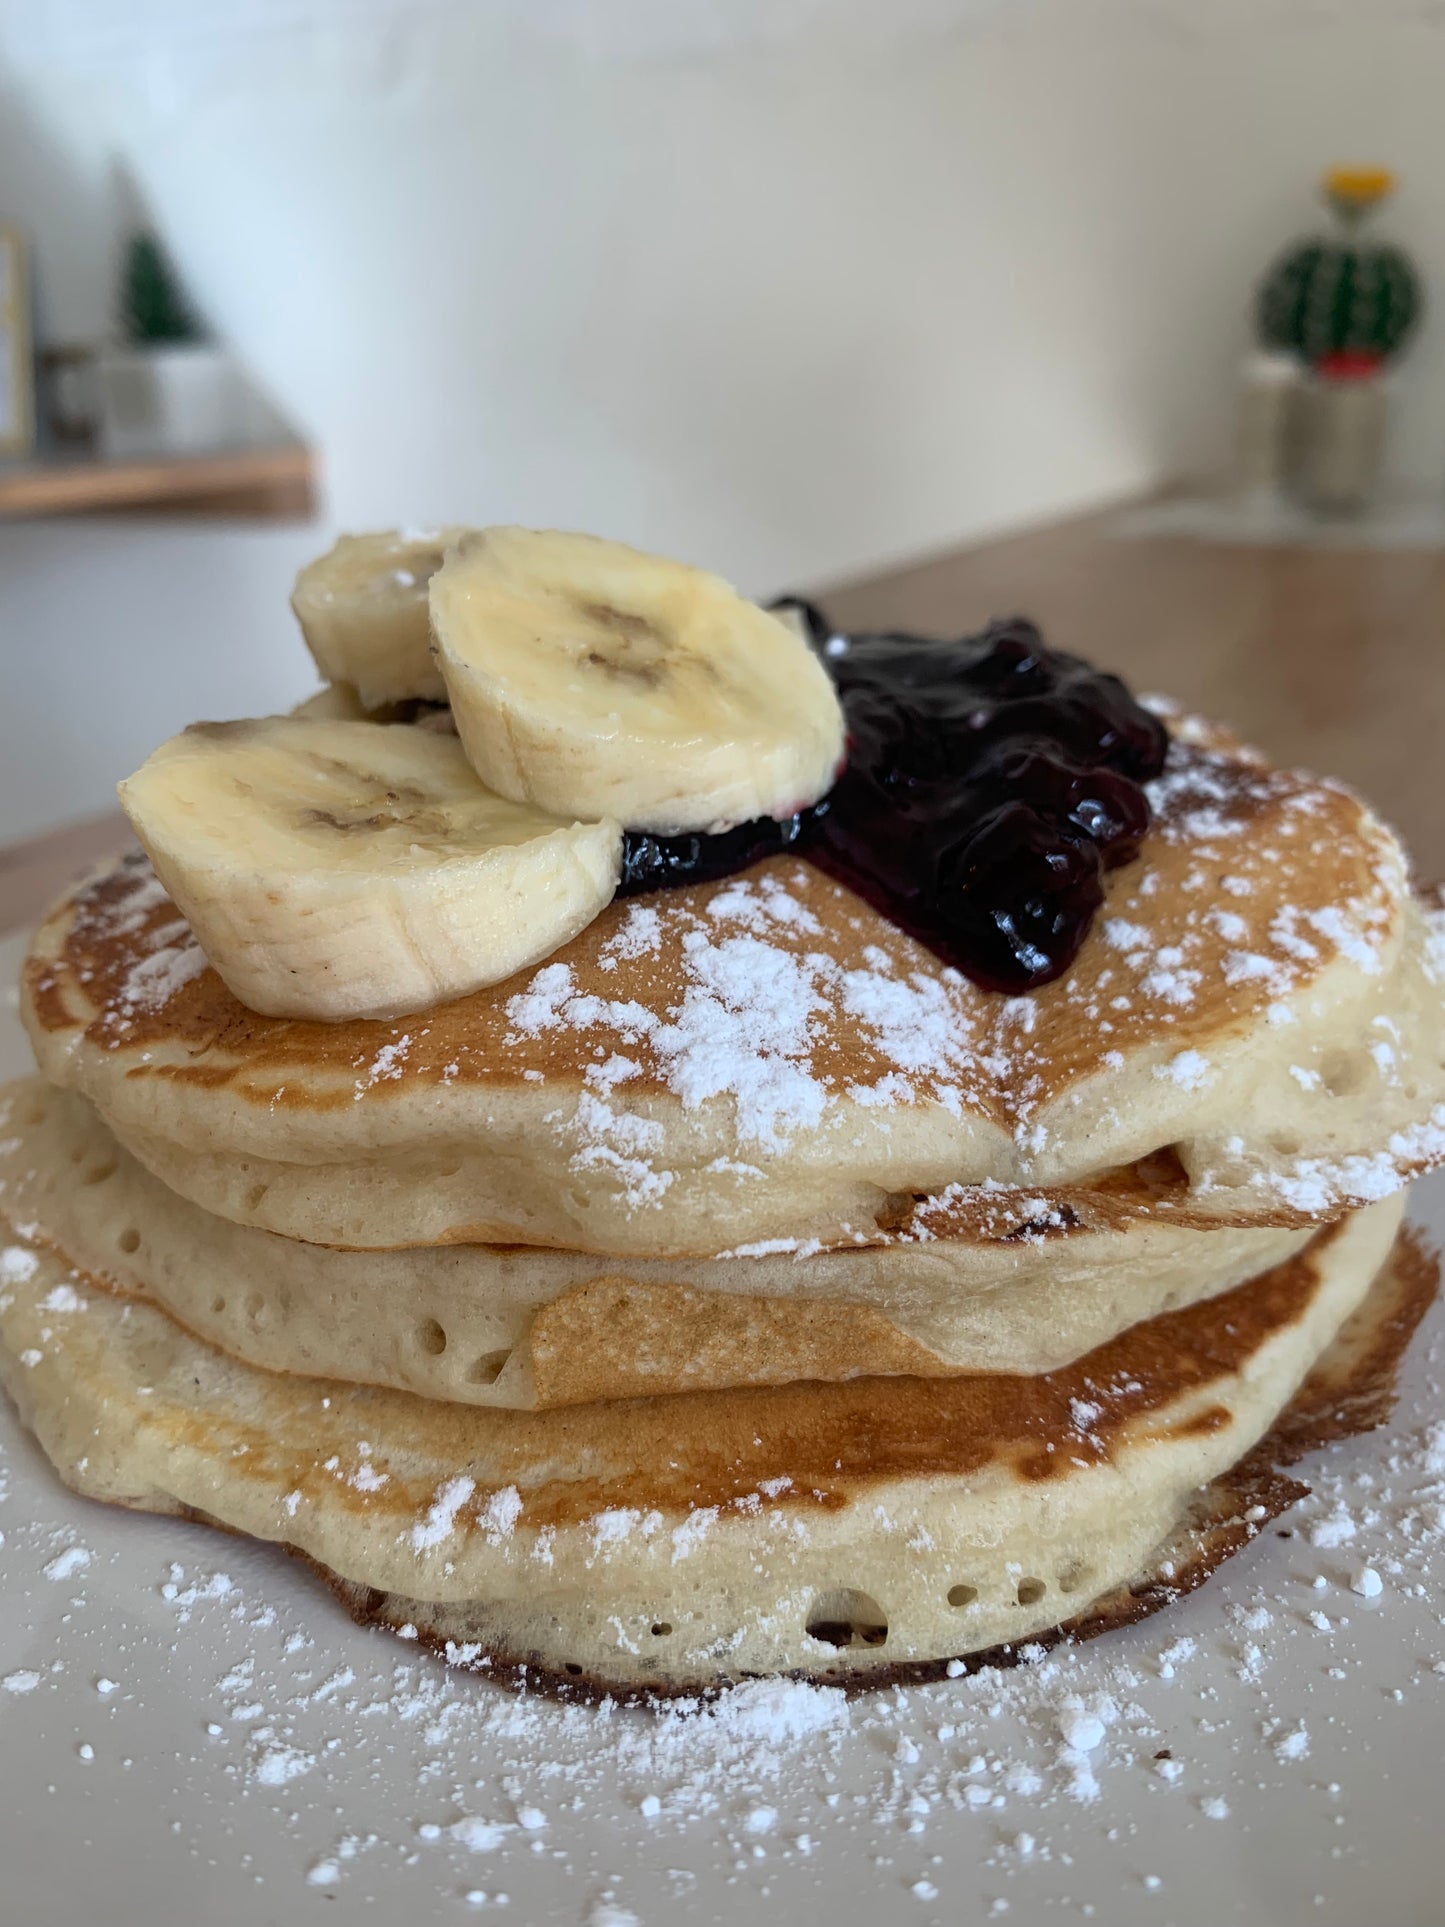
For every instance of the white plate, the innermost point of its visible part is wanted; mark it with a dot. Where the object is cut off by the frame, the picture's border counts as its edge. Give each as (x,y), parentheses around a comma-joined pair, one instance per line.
(203,1730)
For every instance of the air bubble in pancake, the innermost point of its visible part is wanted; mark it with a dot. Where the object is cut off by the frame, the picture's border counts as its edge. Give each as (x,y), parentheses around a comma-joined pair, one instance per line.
(896,1211)
(962,1595)
(431,1337)
(847,1618)
(101,1172)
(1031,1591)
(129,1240)
(485,1370)
(1344,1073)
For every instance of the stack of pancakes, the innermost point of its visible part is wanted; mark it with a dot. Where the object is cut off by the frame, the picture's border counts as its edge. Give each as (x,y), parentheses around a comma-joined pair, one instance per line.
(742,1290)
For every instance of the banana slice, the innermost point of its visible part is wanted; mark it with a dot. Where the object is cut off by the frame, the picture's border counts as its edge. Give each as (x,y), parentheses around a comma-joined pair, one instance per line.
(357,869)
(338,702)
(593,680)
(363,611)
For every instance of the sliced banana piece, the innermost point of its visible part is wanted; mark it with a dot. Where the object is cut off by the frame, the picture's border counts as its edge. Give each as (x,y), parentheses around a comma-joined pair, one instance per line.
(358,869)
(363,611)
(593,680)
(338,702)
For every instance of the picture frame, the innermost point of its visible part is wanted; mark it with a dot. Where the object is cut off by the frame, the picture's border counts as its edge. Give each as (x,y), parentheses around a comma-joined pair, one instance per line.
(17,363)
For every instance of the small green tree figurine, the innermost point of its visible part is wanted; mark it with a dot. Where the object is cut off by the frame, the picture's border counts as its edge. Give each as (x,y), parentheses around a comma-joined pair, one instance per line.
(153,307)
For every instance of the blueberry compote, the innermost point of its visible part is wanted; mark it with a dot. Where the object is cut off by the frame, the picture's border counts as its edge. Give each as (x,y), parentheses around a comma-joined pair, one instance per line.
(654,862)
(990,782)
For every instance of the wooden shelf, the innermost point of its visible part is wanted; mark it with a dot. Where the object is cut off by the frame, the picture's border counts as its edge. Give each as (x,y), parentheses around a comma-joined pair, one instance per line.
(276,483)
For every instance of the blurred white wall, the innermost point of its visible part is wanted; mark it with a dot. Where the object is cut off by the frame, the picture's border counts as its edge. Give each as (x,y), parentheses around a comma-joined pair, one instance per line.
(789,289)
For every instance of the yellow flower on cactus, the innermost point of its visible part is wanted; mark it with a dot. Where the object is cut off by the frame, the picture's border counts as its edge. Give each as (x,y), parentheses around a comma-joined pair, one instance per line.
(1355,189)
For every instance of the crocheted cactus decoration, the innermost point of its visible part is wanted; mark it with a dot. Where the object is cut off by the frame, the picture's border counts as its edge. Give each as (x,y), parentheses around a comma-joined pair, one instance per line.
(1342,295)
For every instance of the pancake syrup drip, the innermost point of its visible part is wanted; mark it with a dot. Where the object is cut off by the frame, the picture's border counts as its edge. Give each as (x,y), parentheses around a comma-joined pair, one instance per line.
(990,783)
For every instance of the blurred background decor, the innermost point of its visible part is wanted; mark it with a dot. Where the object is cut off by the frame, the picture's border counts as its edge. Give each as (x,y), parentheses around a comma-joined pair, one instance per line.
(1320,456)
(65,391)
(17,375)
(168,388)
(1343,304)
(1270,382)
(796,289)
(155,413)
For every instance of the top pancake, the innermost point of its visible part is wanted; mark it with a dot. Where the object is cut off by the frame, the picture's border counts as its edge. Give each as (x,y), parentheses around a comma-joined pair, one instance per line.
(770,1058)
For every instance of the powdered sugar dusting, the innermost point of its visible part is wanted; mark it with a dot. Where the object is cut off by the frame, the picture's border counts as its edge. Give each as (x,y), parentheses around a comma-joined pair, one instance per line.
(1317,1186)
(279,1765)
(389,1062)
(639,936)
(743,1031)
(155,979)
(746,1030)
(501,1512)
(166,957)
(17,1265)
(440,1521)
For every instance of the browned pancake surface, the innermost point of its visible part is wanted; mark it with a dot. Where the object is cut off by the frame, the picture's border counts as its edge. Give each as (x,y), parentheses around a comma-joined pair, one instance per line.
(818,1445)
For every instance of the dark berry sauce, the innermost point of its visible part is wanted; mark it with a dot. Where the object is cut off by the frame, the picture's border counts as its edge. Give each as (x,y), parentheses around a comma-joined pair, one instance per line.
(990,782)
(655,862)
